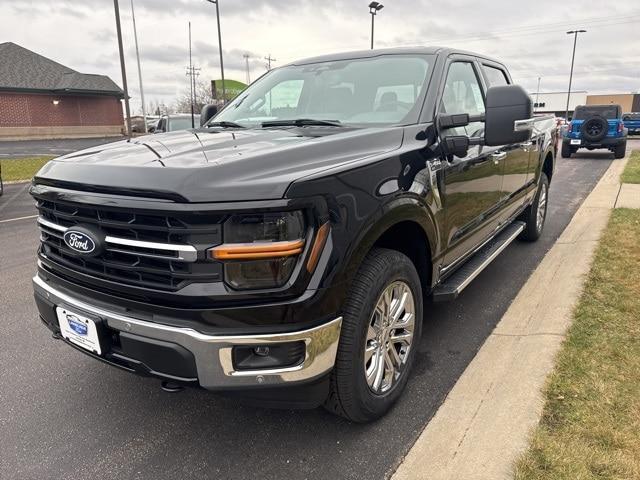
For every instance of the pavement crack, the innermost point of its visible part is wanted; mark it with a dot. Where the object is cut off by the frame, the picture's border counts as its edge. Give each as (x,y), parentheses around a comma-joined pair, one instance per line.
(475,414)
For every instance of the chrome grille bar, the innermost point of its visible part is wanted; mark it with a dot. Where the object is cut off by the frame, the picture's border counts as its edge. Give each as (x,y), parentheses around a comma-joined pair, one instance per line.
(185,253)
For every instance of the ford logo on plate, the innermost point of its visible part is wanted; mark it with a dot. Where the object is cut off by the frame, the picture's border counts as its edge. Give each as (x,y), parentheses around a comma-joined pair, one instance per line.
(79,241)
(76,325)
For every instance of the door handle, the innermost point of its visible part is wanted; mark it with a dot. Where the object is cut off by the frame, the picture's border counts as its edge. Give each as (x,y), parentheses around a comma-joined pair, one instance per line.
(497,156)
(527,146)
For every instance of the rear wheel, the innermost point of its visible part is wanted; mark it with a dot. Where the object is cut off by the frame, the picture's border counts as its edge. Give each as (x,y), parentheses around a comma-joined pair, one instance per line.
(566,150)
(382,322)
(536,214)
(620,150)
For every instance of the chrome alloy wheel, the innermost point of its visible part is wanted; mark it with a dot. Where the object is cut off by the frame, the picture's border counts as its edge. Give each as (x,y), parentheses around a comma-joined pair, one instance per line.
(389,337)
(542,207)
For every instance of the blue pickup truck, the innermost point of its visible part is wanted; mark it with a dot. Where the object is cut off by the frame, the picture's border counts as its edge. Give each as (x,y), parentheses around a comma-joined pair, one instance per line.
(632,122)
(596,126)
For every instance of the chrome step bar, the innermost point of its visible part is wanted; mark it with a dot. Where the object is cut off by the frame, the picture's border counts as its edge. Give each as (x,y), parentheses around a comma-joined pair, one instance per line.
(453,285)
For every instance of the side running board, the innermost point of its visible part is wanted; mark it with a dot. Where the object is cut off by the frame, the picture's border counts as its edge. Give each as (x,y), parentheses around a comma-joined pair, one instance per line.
(451,287)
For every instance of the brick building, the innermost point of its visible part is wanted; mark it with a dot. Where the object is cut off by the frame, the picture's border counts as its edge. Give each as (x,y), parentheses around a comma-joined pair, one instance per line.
(40,98)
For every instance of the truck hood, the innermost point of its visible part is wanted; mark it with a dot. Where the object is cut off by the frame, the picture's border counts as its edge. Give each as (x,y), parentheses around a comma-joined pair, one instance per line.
(217,165)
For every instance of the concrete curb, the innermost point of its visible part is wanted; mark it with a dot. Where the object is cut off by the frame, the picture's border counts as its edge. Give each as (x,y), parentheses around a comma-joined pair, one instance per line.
(485,421)
(16,182)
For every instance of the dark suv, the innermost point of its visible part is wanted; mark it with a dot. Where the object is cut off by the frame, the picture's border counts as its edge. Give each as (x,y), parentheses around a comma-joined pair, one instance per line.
(596,126)
(283,251)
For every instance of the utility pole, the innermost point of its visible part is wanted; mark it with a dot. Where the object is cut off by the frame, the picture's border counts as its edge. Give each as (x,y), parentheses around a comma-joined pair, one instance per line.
(269,59)
(135,36)
(573,56)
(191,73)
(246,61)
(123,69)
(224,88)
(535,105)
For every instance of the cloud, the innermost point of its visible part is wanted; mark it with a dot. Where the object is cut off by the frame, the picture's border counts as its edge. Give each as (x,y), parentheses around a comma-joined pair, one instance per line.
(529,37)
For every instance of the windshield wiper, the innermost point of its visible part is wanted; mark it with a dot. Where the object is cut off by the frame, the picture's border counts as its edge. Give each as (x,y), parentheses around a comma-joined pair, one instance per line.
(301,122)
(225,124)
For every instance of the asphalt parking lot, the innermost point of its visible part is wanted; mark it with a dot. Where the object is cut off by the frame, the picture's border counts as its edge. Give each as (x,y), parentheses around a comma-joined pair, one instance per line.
(64,415)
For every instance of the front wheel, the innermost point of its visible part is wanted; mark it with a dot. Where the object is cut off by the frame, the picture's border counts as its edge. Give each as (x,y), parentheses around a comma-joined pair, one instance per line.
(536,214)
(382,322)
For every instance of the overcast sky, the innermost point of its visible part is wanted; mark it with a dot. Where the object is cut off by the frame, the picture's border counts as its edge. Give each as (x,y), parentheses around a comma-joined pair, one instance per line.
(529,36)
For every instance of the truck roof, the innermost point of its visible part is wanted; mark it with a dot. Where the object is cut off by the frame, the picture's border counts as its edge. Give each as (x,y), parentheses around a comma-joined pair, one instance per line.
(418,50)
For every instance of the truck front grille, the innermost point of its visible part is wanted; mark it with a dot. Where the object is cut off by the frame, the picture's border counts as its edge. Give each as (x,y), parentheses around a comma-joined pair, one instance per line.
(150,250)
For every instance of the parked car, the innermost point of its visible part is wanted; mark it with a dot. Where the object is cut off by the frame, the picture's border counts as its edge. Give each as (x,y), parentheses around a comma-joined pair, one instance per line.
(632,122)
(174,122)
(283,251)
(596,126)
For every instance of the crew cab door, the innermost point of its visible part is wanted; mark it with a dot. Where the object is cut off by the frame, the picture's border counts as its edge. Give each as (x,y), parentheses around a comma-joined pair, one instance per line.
(472,185)
(517,167)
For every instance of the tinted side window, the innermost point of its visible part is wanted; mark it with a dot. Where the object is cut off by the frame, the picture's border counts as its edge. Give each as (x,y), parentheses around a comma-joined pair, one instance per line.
(495,76)
(462,92)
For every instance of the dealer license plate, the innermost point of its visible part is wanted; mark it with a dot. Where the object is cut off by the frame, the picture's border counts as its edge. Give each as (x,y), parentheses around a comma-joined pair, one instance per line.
(79,329)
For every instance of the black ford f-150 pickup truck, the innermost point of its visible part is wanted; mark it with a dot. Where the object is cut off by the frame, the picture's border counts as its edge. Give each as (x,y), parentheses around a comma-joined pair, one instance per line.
(283,251)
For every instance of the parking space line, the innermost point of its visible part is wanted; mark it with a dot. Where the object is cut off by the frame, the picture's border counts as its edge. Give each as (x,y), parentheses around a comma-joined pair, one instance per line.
(18,218)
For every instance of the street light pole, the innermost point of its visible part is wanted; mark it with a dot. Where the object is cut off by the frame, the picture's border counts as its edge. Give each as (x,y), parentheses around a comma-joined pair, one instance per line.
(122,68)
(224,91)
(573,56)
(535,106)
(374,8)
(135,36)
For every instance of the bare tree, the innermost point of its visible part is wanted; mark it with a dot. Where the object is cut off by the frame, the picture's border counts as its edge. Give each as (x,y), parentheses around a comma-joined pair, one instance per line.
(203,97)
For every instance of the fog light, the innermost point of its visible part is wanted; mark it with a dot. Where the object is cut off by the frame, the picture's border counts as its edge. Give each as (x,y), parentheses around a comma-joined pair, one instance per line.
(261,351)
(280,355)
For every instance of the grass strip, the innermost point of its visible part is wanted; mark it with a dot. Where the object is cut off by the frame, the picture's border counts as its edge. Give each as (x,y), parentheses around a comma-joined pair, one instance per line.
(15,169)
(631,172)
(590,427)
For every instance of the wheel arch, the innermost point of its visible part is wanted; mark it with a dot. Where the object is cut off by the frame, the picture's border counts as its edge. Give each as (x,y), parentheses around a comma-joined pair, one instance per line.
(404,227)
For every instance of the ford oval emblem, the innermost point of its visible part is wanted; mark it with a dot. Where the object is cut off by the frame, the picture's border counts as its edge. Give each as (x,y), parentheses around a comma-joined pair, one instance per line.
(76,325)
(79,241)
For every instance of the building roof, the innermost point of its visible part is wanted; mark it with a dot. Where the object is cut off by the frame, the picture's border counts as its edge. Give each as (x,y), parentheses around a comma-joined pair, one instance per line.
(24,70)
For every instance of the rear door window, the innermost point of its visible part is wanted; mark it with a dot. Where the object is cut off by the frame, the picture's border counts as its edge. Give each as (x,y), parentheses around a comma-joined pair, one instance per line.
(495,76)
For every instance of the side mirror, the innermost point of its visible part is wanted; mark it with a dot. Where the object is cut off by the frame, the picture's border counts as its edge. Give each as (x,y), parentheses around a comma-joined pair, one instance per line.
(505,105)
(208,112)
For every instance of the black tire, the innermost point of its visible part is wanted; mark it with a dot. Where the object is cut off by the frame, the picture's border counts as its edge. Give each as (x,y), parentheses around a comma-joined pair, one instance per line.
(620,150)
(533,229)
(594,128)
(350,394)
(566,150)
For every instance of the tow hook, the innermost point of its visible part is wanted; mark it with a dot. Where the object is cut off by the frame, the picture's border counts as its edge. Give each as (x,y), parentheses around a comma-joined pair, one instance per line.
(171,387)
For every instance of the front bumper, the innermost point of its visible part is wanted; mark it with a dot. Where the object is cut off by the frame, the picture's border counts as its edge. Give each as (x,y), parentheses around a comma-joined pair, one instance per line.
(211,355)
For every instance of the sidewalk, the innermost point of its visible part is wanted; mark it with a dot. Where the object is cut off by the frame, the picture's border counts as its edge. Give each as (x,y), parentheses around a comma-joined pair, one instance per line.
(484,423)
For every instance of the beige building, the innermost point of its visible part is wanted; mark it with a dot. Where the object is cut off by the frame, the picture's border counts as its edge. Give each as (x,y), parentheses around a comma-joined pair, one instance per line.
(630,102)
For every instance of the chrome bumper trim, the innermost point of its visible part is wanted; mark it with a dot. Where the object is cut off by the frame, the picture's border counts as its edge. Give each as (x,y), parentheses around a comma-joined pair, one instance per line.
(186,253)
(213,352)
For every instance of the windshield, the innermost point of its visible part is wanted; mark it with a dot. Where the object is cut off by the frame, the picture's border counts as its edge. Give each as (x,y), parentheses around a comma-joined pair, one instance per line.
(610,112)
(383,90)
(180,123)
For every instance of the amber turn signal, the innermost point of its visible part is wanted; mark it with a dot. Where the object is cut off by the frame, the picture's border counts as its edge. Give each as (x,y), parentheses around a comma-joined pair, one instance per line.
(257,250)
(318,246)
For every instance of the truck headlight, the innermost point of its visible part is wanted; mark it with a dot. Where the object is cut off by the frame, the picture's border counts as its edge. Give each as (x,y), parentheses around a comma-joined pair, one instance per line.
(260,250)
